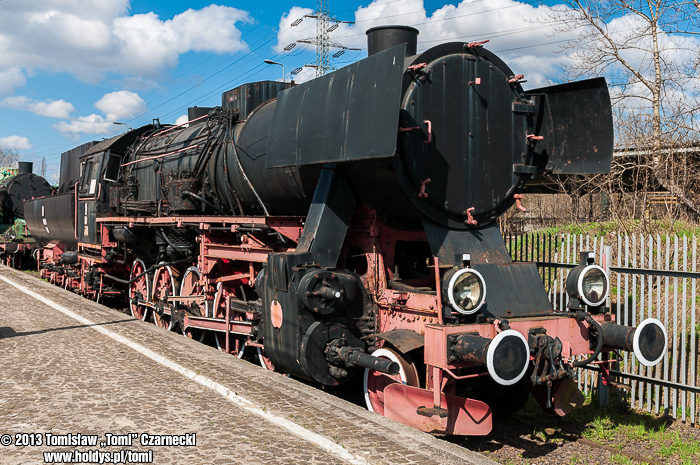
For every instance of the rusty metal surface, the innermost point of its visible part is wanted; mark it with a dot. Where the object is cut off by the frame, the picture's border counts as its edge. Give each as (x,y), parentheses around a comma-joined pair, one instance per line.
(245,98)
(177,200)
(351,114)
(465,416)
(573,334)
(513,290)
(403,339)
(485,244)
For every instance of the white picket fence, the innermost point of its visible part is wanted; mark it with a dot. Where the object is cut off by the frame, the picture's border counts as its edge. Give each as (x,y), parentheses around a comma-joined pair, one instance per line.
(649,277)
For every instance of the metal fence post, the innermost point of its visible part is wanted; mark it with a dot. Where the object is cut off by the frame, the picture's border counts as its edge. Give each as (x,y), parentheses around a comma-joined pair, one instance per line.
(604,388)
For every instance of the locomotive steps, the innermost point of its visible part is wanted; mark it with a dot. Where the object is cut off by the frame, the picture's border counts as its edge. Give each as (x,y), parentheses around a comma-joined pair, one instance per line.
(76,367)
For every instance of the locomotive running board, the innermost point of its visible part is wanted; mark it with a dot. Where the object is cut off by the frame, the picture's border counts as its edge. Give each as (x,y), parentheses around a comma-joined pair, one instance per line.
(466,417)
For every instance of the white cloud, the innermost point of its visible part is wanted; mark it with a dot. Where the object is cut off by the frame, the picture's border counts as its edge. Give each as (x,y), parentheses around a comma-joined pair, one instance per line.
(306,74)
(288,34)
(507,23)
(15,143)
(91,124)
(89,38)
(119,105)
(181,120)
(136,83)
(11,78)
(51,108)
(115,106)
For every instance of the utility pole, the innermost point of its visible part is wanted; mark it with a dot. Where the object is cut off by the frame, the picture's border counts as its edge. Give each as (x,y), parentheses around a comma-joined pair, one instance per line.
(325,24)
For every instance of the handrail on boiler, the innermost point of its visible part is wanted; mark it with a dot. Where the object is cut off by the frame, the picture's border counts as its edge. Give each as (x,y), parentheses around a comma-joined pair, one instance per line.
(75,229)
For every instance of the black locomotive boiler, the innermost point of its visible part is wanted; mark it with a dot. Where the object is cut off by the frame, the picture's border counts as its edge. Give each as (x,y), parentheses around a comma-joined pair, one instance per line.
(16,186)
(346,227)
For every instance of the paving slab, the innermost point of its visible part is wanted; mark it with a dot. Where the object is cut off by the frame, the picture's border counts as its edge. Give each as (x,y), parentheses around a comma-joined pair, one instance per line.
(73,372)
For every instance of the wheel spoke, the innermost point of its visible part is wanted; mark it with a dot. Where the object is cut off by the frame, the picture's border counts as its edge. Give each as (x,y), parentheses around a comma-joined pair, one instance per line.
(139,291)
(191,285)
(164,286)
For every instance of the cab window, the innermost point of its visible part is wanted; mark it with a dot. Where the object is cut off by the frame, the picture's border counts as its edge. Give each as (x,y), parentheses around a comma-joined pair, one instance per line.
(88,182)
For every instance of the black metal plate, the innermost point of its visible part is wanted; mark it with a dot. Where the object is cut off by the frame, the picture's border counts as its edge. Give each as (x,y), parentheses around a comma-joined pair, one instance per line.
(514,290)
(351,114)
(576,122)
(51,220)
(475,139)
(70,166)
(247,97)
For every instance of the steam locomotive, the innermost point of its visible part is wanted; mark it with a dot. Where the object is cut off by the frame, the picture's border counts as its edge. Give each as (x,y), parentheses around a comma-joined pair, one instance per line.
(16,186)
(347,227)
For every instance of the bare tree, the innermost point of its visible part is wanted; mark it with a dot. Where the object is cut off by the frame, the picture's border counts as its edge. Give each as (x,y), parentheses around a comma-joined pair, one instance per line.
(648,51)
(8,158)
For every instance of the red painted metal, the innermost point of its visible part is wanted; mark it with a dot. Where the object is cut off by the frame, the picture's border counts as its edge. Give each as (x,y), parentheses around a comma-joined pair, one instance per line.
(430,131)
(532,137)
(375,382)
(464,416)
(561,326)
(234,336)
(566,397)
(438,290)
(518,202)
(235,327)
(515,79)
(470,219)
(228,331)
(422,194)
(185,149)
(417,67)
(477,44)
(179,125)
(164,285)
(140,308)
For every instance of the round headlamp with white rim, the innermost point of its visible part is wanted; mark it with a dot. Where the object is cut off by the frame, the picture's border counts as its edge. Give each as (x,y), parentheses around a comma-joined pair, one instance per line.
(466,290)
(589,283)
(508,357)
(650,342)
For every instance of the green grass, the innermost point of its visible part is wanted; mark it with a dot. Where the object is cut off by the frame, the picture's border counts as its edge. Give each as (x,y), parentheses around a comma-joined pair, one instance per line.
(617,426)
(623,459)
(594,229)
(603,228)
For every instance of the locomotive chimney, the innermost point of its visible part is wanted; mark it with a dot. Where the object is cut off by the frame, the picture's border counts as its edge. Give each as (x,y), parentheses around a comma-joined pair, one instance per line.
(25,167)
(384,37)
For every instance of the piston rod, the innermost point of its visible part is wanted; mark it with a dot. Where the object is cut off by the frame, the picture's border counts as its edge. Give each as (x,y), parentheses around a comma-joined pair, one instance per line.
(353,356)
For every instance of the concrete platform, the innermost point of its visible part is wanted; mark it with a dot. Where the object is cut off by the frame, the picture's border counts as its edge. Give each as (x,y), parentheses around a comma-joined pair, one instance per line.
(69,366)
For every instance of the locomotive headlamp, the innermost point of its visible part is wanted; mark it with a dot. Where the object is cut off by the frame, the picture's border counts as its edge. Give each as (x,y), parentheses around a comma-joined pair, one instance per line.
(589,283)
(466,290)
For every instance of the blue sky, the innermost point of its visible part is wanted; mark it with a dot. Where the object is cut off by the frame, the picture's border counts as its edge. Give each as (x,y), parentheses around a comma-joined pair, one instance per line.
(70,68)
